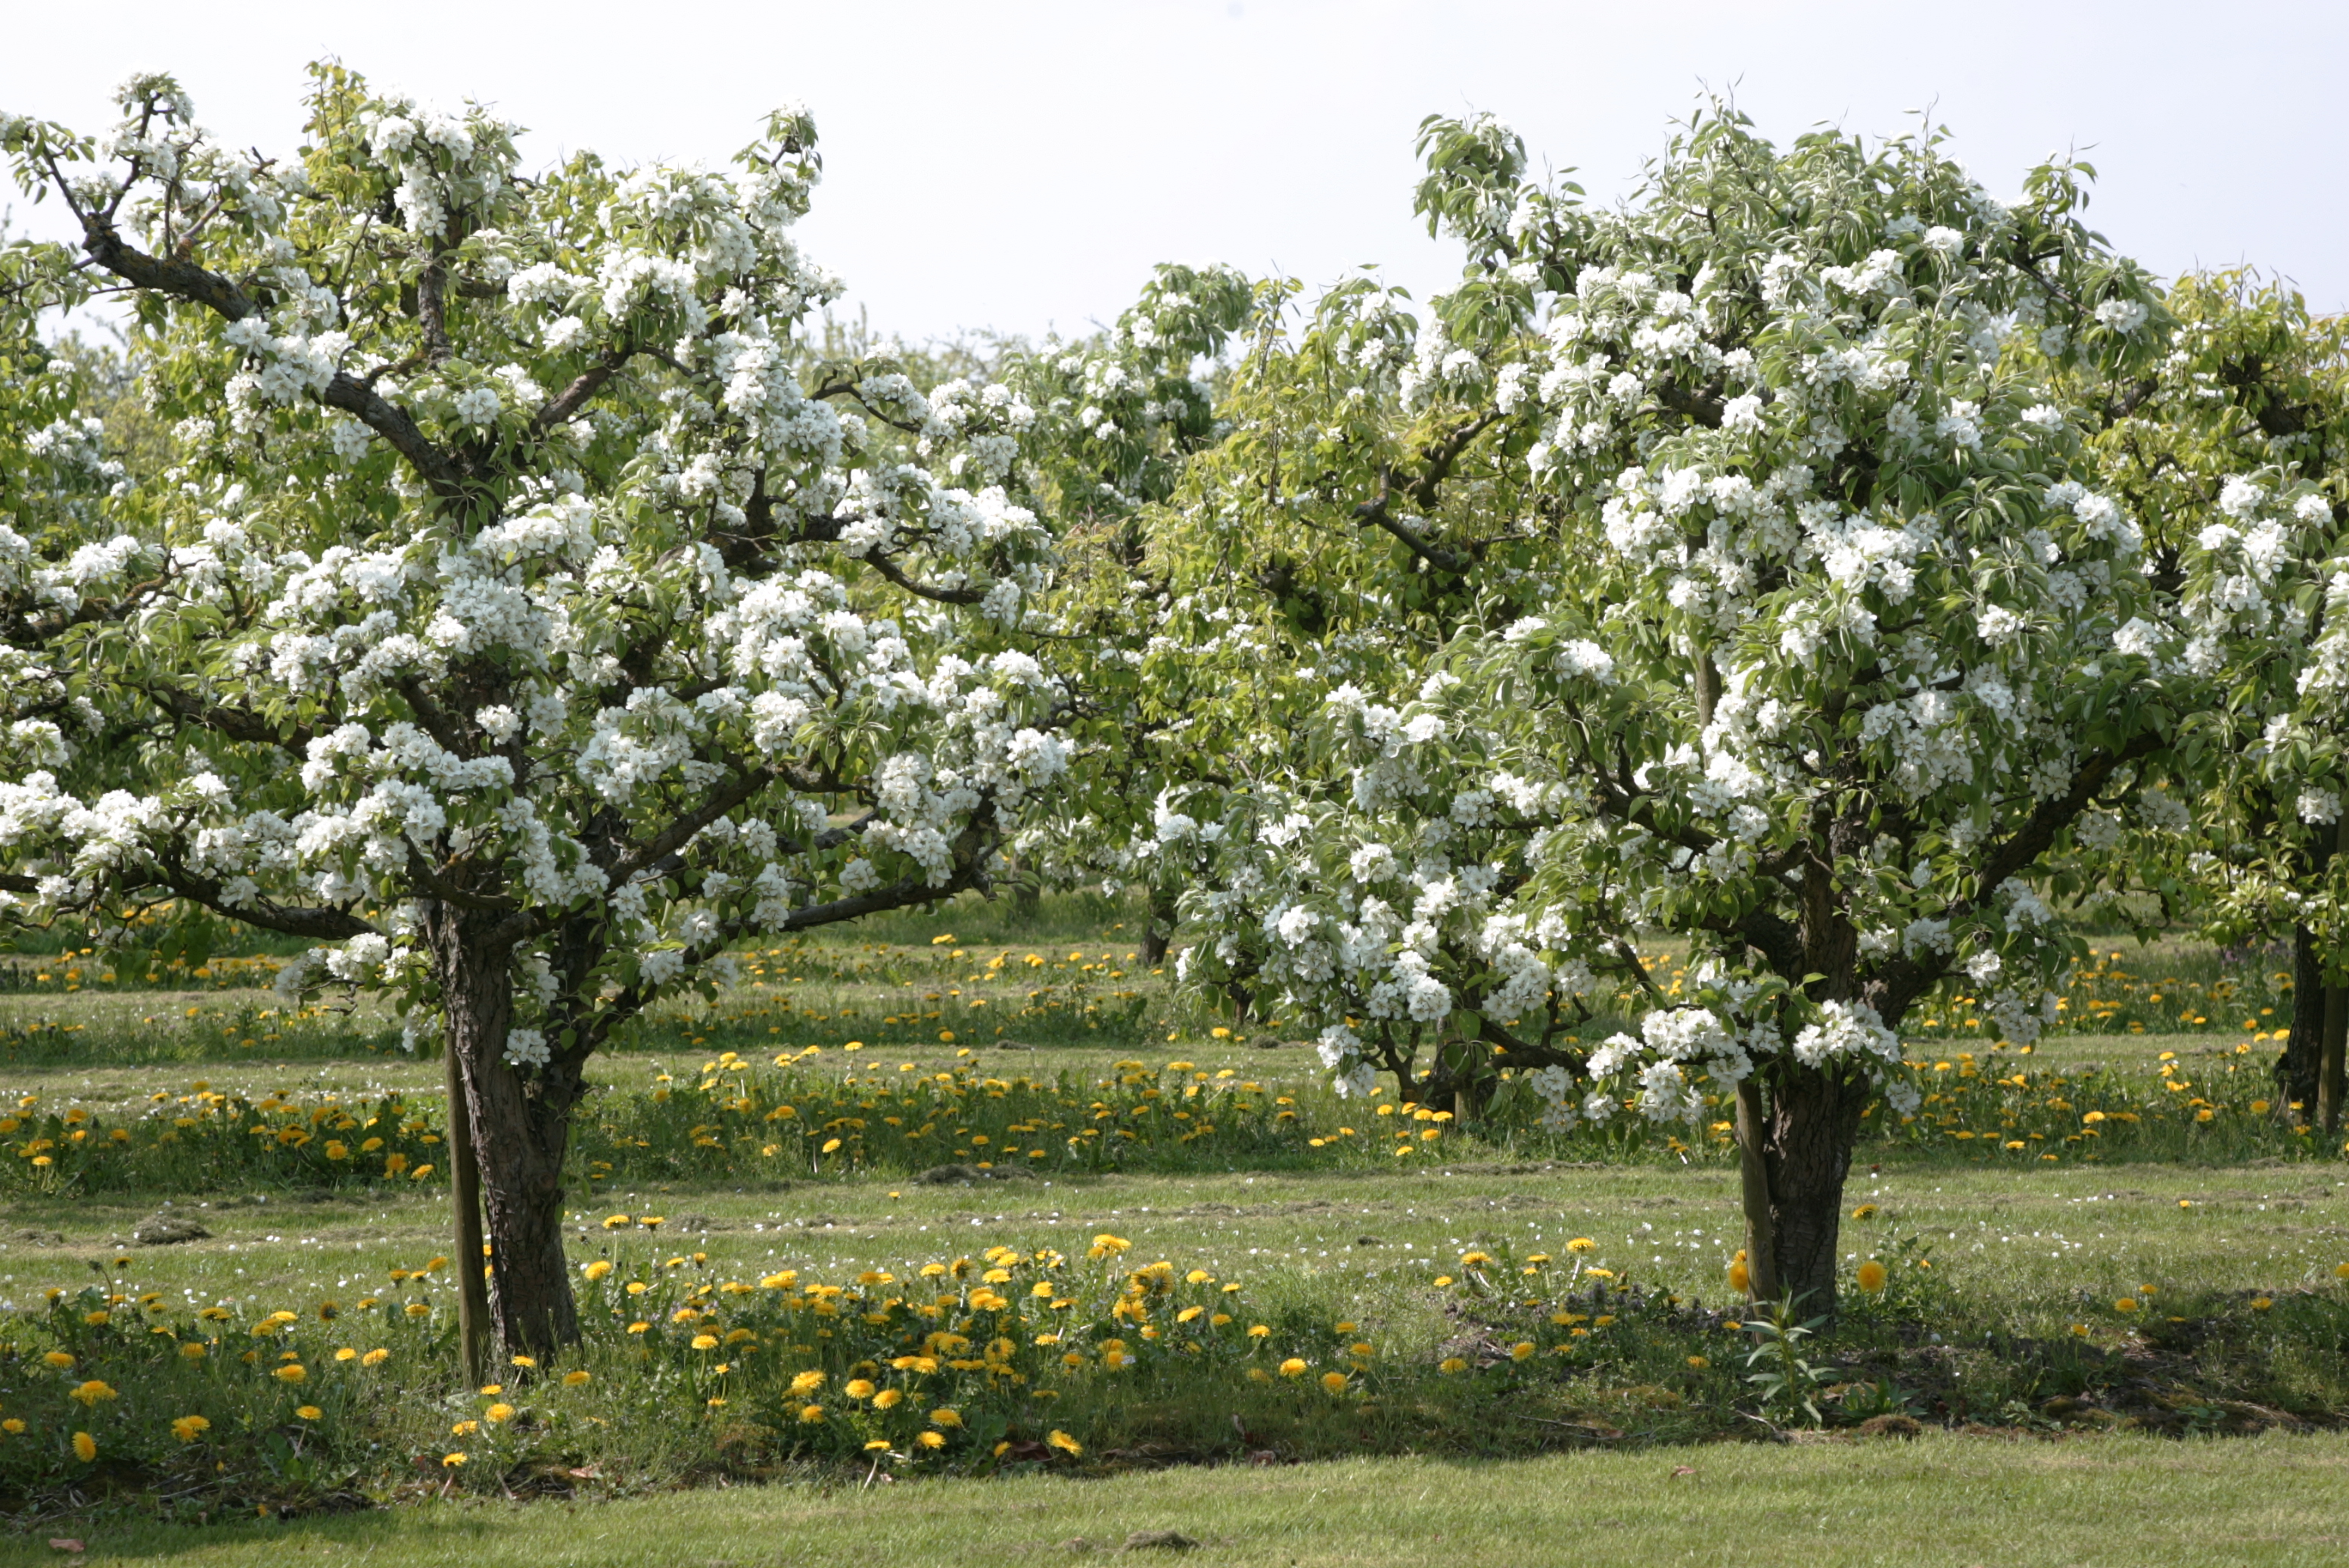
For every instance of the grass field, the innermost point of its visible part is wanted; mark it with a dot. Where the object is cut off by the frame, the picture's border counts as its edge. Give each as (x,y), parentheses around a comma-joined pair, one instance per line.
(2096,1502)
(2110,1230)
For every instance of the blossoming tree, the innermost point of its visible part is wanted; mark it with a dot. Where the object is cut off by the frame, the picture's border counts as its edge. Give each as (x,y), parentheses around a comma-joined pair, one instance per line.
(1728,566)
(2233,445)
(529,615)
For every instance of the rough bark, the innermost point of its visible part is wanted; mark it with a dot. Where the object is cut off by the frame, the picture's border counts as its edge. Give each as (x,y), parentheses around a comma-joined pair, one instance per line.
(465,1228)
(2297,1067)
(2331,1079)
(519,1128)
(2332,1072)
(1814,1117)
(1754,1180)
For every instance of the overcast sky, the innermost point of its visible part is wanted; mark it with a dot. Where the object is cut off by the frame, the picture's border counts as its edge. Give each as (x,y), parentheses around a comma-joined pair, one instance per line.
(1019,167)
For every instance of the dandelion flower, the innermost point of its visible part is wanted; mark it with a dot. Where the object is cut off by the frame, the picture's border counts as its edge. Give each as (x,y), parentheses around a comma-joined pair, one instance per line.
(1334,1381)
(450,1461)
(464,1429)
(309,1412)
(1698,1363)
(1740,1280)
(91,1392)
(1865,1211)
(1293,1367)
(293,1372)
(12,1427)
(807,1383)
(192,1350)
(2126,1304)
(2261,1303)
(574,1379)
(1451,1365)
(375,1358)
(499,1413)
(188,1429)
(85,1447)
(1871,1276)
(888,1398)
(858,1389)
(60,1359)
(811,1414)
(931,1439)
(1065,1443)
(946,1418)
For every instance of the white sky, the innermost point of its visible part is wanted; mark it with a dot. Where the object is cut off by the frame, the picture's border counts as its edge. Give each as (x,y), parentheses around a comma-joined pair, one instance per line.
(1019,167)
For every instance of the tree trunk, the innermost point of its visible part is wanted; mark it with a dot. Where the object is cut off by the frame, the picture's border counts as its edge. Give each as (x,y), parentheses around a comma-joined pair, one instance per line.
(1160,931)
(2297,1069)
(2330,1076)
(1753,1173)
(519,1128)
(465,1214)
(1814,1117)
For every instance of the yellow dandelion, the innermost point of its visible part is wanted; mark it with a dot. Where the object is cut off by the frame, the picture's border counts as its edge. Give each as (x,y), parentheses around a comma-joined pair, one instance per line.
(188,1429)
(1065,1443)
(1293,1367)
(308,1412)
(85,1447)
(1871,1276)
(574,1379)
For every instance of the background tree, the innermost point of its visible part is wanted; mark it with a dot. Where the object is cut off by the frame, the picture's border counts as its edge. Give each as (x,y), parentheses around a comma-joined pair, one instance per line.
(1728,566)
(2251,404)
(1120,417)
(518,625)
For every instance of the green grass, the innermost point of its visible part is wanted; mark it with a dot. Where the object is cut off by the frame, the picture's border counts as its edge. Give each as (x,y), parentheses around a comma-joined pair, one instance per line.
(2101,1502)
(2006,1270)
